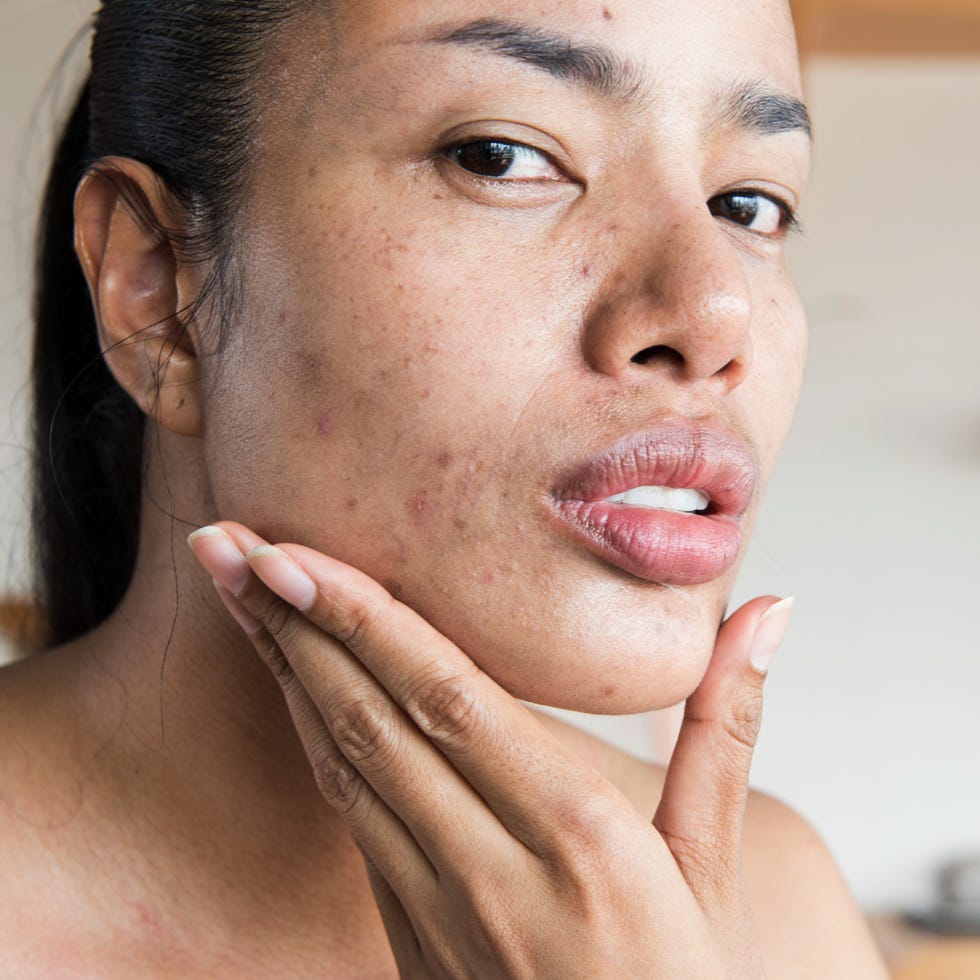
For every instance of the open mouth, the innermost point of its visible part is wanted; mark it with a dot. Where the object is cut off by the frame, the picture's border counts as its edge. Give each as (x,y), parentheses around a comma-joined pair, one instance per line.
(679,500)
(664,505)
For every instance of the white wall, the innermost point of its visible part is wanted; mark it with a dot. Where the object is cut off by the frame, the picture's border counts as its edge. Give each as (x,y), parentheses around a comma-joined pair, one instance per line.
(33,36)
(873,708)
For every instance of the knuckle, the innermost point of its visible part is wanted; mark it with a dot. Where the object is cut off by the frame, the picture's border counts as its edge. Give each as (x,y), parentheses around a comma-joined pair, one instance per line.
(264,604)
(280,668)
(364,728)
(589,836)
(743,722)
(444,706)
(354,619)
(337,780)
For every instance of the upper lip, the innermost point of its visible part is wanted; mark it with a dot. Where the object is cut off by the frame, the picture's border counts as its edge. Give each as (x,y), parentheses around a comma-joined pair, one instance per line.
(678,454)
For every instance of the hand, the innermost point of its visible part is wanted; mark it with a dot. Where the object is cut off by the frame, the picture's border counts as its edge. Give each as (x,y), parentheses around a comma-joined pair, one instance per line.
(491,851)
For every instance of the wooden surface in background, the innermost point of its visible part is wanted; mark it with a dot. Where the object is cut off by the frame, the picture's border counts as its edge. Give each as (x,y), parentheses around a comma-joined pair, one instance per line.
(935,27)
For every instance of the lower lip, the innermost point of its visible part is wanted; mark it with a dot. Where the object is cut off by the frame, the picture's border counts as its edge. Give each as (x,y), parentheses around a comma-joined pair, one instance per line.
(660,546)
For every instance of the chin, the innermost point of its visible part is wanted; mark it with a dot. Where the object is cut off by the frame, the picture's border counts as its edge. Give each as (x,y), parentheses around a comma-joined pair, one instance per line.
(632,648)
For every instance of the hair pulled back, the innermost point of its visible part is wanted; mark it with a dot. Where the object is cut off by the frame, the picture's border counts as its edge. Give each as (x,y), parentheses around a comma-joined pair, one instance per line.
(172,85)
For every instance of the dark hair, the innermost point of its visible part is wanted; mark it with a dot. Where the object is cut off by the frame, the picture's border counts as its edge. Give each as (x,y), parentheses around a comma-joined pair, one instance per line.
(172,86)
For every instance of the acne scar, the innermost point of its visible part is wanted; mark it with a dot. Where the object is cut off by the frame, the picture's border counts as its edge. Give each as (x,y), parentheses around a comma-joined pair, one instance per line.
(443,460)
(608,691)
(324,425)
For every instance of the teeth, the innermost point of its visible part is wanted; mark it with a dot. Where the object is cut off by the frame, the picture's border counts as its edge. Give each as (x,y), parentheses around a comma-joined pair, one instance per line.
(663,498)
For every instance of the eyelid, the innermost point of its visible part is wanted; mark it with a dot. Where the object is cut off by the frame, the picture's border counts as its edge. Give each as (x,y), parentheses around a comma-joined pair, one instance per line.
(505,131)
(468,141)
(791,222)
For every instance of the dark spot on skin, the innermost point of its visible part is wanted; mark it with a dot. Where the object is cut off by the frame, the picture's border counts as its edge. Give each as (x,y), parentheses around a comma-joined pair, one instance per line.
(324,425)
(443,460)
(608,692)
(425,394)
(311,173)
(606,14)
(351,503)
(459,524)
(586,271)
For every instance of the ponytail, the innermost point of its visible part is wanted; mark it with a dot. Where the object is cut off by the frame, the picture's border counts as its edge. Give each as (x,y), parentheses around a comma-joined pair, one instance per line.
(87,433)
(173,85)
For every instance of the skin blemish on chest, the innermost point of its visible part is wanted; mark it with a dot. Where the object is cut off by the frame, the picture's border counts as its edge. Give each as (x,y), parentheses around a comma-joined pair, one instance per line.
(324,425)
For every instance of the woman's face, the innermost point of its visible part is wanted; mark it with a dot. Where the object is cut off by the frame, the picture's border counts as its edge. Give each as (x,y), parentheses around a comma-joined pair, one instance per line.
(504,262)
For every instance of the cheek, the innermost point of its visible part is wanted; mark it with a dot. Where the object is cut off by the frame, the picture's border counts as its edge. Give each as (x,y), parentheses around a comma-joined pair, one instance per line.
(779,359)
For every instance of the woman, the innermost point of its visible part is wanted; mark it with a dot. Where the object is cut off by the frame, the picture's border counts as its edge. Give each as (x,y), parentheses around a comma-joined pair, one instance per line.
(487,307)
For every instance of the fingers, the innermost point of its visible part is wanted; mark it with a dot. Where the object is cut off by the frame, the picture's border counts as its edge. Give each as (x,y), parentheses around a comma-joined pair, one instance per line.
(532,787)
(703,803)
(368,757)
(465,733)
(394,852)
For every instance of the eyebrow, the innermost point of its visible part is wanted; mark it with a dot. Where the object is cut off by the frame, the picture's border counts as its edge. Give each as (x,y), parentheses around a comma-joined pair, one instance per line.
(595,68)
(749,106)
(755,107)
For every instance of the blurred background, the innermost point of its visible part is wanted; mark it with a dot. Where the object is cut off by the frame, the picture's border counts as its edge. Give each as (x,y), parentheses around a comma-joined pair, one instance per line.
(873,520)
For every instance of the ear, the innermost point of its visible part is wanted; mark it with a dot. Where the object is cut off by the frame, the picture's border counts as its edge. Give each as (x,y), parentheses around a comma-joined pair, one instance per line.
(139,289)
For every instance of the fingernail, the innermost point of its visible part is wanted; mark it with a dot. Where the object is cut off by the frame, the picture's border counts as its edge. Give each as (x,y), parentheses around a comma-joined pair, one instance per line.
(283,575)
(243,617)
(769,633)
(220,557)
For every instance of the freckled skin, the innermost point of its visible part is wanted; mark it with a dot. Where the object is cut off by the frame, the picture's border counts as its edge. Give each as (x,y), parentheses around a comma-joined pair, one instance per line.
(475,345)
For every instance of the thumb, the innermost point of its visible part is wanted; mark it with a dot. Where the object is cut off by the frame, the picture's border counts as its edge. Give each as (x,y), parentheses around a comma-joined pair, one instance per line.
(703,803)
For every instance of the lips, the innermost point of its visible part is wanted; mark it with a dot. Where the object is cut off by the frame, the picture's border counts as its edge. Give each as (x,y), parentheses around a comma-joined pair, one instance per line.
(665,546)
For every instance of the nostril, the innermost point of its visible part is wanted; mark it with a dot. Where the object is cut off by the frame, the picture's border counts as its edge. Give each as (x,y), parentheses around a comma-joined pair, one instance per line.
(660,352)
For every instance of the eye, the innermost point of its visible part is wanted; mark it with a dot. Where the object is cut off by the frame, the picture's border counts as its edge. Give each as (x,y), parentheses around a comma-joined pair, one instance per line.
(758,212)
(503,160)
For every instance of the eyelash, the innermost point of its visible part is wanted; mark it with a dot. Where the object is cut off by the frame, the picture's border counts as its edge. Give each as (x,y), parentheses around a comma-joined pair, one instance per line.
(788,222)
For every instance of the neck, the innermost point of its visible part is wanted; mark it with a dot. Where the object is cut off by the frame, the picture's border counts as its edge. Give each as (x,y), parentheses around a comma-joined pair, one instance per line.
(194,743)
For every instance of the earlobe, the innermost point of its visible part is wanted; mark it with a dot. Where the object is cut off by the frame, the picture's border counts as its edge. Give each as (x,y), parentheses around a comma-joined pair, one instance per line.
(138,291)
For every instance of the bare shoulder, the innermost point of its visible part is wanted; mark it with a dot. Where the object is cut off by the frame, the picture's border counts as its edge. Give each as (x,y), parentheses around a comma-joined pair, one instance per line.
(807,919)
(808,922)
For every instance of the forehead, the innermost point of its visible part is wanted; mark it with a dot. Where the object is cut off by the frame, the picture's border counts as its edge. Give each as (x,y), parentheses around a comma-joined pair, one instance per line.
(694,46)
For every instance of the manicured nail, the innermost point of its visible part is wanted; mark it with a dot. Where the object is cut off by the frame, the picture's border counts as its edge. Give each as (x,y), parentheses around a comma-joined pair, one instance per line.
(769,633)
(283,575)
(220,557)
(243,617)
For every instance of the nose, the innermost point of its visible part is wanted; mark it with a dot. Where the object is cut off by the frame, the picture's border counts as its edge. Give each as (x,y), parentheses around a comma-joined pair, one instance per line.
(675,300)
